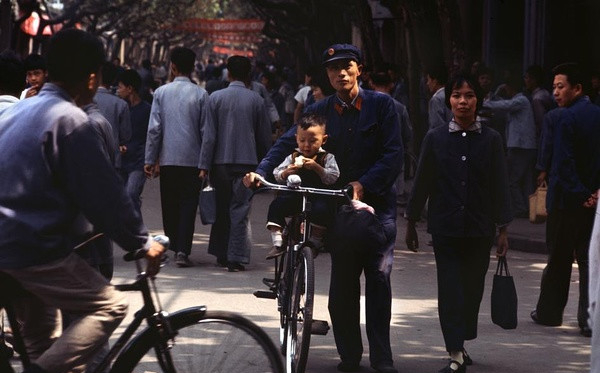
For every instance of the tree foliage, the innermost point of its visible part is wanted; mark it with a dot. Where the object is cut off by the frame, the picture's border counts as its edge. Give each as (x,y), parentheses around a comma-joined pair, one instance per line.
(150,26)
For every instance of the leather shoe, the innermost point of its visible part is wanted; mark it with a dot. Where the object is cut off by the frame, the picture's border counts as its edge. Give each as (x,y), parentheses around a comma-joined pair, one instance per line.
(346,366)
(467,359)
(462,368)
(235,267)
(384,368)
(585,331)
(535,318)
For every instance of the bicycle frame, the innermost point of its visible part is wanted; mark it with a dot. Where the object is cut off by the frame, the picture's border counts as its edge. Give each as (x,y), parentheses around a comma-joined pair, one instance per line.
(295,342)
(157,320)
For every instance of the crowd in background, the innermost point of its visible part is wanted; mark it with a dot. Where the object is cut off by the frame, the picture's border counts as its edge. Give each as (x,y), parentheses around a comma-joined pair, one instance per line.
(134,112)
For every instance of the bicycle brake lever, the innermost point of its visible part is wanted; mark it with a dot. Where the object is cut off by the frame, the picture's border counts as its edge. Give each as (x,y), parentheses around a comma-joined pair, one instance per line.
(349,190)
(139,254)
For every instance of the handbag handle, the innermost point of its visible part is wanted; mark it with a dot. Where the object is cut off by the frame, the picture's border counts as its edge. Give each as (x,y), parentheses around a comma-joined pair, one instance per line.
(205,182)
(502,267)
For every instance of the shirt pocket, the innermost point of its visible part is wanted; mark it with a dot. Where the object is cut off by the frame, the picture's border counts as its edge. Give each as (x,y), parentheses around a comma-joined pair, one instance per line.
(369,136)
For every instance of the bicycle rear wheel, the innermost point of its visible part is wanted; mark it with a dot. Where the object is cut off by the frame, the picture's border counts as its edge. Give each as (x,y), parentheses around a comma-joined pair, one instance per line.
(207,342)
(301,311)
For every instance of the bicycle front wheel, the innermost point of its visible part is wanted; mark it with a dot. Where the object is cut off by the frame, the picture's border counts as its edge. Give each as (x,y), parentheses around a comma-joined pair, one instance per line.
(300,319)
(213,342)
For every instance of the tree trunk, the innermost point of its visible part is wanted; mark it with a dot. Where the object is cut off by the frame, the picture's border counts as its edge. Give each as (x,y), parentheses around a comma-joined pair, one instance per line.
(6,24)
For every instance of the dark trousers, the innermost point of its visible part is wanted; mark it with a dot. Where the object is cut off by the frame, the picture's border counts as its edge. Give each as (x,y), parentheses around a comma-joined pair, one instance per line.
(462,263)
(344,299)
(287,204)
(521,164)
(179,191)
(230,234)
(568,235)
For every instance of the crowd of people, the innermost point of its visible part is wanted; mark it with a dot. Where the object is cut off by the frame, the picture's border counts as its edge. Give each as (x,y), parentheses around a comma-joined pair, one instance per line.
(80,139)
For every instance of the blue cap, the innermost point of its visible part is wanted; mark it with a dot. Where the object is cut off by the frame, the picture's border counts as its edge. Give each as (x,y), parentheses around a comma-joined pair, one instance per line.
(340,52)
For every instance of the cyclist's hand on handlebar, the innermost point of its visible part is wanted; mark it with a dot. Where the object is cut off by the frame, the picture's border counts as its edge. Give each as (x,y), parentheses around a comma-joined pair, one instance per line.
(411,237)
(357,189)
(153,258)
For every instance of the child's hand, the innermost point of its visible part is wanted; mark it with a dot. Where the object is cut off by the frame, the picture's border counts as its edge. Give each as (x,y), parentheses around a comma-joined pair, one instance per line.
(310,164)
(291,169)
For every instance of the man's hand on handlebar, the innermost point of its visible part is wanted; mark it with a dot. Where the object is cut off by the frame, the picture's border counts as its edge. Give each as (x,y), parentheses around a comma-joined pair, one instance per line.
(153,258)
(250,180)
(357,190)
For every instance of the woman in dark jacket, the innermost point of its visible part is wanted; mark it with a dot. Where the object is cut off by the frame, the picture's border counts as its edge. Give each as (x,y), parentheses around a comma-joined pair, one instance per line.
(462,171)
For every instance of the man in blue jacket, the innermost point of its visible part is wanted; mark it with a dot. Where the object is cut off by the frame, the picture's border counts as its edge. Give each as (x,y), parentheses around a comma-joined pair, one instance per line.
(53,169)
(572,195)
(364,136)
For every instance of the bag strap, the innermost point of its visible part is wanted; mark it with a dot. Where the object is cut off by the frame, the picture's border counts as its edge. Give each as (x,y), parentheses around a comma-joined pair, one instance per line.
(205,182)
(502,267)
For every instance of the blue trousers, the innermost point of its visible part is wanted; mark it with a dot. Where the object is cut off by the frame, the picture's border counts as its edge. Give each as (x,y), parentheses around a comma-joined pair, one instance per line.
(134,184)
(462,263)
(344,299)
(230,235)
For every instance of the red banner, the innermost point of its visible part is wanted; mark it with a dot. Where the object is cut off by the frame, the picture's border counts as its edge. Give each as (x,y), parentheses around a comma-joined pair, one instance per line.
(233,51)
(211,26)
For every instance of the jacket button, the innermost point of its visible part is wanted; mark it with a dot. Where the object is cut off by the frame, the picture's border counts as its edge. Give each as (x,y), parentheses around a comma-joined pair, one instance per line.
(463,158)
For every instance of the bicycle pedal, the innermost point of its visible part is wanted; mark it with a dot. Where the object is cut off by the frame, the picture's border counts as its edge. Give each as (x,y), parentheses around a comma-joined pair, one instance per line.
(268,281)
(319,327)
(265,294)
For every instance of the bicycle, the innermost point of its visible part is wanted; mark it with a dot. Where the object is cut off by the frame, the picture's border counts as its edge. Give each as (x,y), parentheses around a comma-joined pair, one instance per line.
(293,284)
(188,340)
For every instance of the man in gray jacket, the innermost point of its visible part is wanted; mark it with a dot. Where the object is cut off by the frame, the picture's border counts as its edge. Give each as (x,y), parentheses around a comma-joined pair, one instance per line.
(237,134)
(173,144)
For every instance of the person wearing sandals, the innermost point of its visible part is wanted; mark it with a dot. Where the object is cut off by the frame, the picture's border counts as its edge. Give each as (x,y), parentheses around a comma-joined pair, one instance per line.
(462,171)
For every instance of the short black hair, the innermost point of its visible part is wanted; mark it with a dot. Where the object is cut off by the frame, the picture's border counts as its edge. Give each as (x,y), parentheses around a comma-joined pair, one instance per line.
(308,120)
(239,67)
(485,70)
(573,72)
(537,73)
(35,62)
(380,78)
(12,73)
(109,73)
(457,81)
(73,55)
(322,81)
(131,78)
(438,72)
(514,80)
(184,59)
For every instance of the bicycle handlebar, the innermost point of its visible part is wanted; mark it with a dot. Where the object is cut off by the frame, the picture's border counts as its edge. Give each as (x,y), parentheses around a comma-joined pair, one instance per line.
(140,253)
(293,185)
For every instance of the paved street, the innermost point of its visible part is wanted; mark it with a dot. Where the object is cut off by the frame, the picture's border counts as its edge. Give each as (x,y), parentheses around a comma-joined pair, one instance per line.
(417,341)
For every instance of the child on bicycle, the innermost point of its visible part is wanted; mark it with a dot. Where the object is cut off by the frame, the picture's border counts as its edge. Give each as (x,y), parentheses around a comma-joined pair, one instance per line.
(317,168)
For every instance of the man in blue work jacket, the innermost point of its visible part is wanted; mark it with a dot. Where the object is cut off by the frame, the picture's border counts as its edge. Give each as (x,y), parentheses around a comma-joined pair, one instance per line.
(364,135)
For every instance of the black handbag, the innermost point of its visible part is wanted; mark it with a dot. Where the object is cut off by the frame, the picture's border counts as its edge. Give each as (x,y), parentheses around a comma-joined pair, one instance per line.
(357,230)
(504,297)
(207,203)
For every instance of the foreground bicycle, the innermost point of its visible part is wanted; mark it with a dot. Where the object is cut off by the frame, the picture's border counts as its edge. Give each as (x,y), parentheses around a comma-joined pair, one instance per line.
(189,340)
(294,282)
